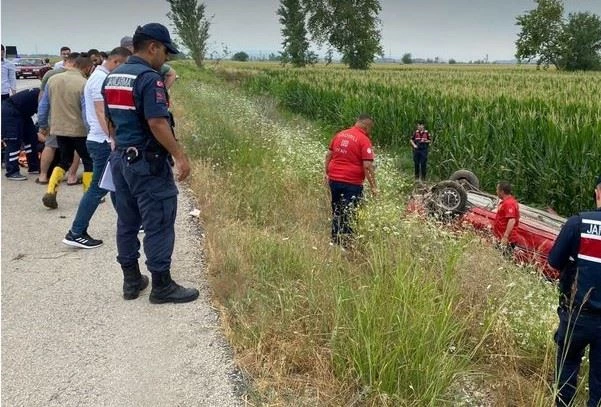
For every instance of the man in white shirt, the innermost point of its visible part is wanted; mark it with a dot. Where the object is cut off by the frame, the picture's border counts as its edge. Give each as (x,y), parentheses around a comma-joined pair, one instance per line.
(99,147)
(65,51)
(9,77)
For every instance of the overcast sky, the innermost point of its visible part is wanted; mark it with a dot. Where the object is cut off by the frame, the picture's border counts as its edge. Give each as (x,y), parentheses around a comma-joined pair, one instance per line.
(426,28)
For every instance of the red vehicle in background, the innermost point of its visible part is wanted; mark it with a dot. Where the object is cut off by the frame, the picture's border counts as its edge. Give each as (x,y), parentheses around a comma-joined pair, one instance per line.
(460,201)
(30,68)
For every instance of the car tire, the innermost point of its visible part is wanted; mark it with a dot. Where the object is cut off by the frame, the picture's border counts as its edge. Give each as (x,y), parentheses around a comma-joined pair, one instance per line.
(466,178)
(447,199)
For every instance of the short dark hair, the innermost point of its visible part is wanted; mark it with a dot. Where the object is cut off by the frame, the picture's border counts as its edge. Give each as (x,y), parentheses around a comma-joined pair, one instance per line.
(104,55)
(120,51)
(505,187)
(83,61)
(364,116)
(65,48)
(73,56)
(420,121)
(93,51)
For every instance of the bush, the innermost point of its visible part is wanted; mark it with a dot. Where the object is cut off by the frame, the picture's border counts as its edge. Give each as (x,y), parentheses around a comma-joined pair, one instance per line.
(240,56)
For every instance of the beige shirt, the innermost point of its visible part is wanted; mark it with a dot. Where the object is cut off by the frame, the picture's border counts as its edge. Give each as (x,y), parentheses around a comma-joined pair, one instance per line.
(65,92)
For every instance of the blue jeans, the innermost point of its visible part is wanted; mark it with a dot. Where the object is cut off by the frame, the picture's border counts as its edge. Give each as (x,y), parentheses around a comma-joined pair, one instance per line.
(345,198)
(147,195)
(91,199)
(575,333)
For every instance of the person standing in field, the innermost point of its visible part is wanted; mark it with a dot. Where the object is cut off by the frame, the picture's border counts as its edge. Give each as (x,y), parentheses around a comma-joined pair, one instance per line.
(420,141)
(576,254)
(136,103)
(99,147)
(507,217)
(349,160)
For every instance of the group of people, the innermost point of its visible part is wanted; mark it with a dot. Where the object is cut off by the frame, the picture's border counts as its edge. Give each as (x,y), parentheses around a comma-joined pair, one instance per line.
(576,253)
(111,113)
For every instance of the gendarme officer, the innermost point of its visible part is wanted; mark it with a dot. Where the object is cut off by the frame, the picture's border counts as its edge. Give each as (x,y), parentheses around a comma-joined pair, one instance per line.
(577,255)
(137,102)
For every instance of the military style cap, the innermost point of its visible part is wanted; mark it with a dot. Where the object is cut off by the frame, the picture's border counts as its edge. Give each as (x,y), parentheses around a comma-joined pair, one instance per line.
(158,32)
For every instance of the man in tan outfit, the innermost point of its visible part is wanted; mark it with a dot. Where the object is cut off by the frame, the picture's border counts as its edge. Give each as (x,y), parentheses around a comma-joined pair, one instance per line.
(64,98)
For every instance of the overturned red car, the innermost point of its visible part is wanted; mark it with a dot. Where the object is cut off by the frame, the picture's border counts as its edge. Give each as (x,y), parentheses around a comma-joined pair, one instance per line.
(459,200)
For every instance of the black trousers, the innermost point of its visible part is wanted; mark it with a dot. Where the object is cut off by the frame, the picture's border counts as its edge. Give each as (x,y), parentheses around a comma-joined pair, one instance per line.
(420,159)
(68,146)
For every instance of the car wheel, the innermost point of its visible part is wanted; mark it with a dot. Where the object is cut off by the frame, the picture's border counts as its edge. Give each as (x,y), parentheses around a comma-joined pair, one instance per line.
(448,198)
(466,178)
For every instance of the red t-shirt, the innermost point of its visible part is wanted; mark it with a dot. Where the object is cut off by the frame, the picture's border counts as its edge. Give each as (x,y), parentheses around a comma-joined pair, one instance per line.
(508,209)
(349,149)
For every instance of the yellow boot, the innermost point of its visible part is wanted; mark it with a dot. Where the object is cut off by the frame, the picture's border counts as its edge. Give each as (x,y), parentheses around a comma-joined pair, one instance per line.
(86,180)
(49,198)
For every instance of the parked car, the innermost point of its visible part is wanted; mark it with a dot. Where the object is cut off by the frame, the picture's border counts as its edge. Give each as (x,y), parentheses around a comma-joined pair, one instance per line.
(460,201)
(30,67)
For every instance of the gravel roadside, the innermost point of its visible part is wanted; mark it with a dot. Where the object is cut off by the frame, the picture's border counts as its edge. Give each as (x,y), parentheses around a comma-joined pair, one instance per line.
(68,337)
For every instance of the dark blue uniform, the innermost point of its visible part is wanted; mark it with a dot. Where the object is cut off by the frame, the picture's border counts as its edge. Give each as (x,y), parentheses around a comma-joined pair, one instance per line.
(577,254)
(18,129)
(420,154)
(145,189)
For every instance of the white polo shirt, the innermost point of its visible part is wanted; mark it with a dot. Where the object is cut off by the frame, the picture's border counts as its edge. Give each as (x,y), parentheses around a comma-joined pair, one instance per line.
(92,93)
(59,64)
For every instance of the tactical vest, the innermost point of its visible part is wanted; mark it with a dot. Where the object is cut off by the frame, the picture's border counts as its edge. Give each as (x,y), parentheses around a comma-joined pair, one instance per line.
(588,262)
(125,112)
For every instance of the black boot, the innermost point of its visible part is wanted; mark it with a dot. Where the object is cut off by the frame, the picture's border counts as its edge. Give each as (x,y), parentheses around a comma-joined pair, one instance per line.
(133,281)
(164,289)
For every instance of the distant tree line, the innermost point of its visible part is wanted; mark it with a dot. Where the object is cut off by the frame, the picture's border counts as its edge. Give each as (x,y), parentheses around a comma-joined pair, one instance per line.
(352,28)
(546,36)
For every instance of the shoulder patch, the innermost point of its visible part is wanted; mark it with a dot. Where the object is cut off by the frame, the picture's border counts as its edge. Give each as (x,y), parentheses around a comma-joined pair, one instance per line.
(160,96)
(160,84)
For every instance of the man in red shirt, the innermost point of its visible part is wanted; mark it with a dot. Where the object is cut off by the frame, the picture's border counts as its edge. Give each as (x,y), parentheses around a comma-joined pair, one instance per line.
(507,217)
(348,162)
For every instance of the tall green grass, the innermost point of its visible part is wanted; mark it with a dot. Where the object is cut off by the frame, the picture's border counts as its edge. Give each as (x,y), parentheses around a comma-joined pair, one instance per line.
(416,315)
(539,130)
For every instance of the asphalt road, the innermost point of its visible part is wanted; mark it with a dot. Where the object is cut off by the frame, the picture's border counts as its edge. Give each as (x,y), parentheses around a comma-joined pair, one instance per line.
(68,337)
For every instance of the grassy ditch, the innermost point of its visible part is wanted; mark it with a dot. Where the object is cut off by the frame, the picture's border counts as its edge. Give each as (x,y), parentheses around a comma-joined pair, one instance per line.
(416,315)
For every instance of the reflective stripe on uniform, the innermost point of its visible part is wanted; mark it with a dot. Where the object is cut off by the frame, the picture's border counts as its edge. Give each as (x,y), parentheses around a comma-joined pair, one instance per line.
(119,91)
(590,241)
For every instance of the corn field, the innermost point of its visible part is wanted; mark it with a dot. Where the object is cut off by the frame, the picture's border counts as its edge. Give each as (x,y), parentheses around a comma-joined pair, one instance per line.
(539,130)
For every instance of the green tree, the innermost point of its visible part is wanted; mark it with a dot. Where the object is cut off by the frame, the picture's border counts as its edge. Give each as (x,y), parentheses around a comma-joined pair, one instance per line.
(581,42)
(191,25)
(407,59)
(296,46)
(240,56)
(352,27)
(540,32)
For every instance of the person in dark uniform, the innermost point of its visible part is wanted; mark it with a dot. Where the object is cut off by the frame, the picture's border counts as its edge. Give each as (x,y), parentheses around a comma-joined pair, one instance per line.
(137,103)
(19,131)
(420,141)
(577,255)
